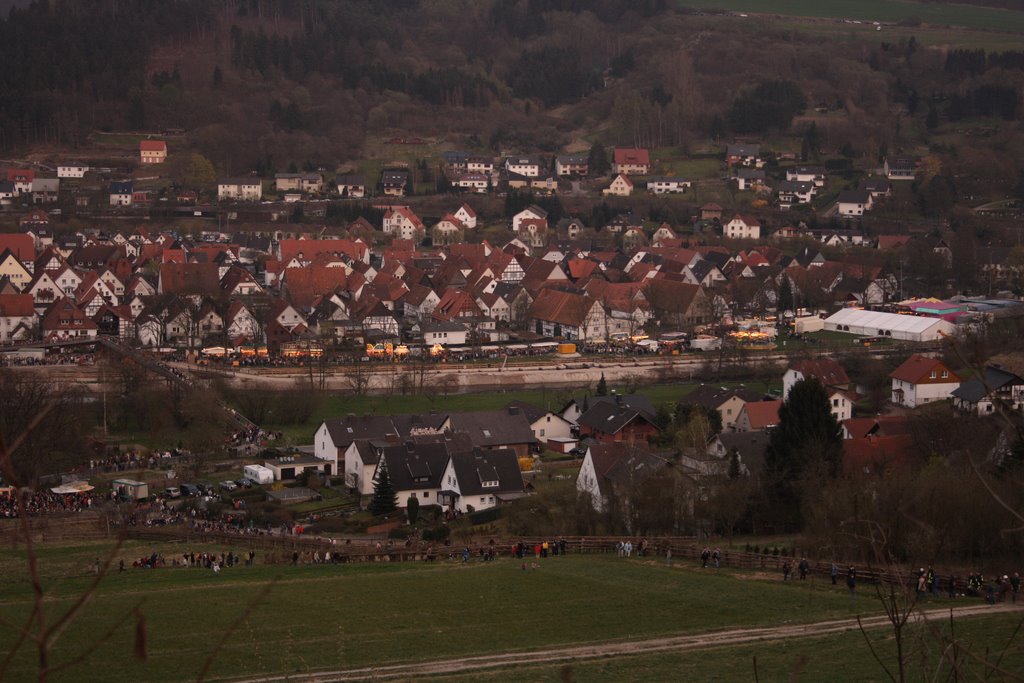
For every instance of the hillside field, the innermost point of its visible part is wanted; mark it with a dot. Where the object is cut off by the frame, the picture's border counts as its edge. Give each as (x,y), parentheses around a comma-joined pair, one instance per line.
(338,617)
(888,11)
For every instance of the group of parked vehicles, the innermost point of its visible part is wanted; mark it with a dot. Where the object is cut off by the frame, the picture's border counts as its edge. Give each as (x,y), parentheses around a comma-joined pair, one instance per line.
(200,490)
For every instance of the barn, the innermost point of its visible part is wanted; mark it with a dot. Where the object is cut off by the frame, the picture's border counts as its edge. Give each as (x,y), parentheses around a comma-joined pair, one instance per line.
(888,325)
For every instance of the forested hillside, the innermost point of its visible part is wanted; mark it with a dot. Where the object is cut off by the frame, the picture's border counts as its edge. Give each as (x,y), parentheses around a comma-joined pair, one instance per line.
(265,83)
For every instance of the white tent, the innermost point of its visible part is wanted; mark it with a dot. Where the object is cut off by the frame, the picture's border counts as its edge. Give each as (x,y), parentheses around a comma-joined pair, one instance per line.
(891,325)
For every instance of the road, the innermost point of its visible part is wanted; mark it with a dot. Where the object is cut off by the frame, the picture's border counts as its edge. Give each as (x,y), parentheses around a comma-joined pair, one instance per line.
(577,653)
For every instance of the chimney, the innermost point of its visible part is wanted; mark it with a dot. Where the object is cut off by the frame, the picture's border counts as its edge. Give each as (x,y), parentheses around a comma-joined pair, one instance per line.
(513,410)
(618,400)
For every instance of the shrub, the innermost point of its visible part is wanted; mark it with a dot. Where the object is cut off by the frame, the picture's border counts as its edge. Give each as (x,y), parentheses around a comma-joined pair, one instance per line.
(399,533)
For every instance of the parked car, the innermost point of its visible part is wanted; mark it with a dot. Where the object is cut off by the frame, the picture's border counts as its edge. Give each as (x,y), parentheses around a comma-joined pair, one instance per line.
(228,486)
(245,482)
(190,490)
(172,492)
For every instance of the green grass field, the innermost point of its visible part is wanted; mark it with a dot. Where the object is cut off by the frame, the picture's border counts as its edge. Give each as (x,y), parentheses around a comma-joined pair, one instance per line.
(339,405)
(841,657)
(941,14)
(324,617)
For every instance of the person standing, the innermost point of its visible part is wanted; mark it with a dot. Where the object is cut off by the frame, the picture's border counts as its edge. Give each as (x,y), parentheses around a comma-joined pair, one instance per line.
(835,573)
(851,581)
(716,556)
(805,568)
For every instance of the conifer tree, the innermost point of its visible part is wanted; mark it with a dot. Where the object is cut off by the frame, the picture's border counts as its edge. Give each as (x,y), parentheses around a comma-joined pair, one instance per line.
(384,499)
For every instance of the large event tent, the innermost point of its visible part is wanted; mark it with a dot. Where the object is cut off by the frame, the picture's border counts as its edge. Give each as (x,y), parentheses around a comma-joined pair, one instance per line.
(893,325)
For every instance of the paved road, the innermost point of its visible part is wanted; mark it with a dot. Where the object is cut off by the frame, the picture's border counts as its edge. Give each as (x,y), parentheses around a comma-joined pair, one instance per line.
(681,643)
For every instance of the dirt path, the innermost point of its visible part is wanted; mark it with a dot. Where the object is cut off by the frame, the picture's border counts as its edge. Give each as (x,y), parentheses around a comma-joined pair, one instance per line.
(683,643)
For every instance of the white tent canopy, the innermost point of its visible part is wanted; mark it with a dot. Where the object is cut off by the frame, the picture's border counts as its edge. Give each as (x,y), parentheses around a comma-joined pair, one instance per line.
(891,325)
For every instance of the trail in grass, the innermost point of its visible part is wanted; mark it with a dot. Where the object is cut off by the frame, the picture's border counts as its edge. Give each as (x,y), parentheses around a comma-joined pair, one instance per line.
(702,641)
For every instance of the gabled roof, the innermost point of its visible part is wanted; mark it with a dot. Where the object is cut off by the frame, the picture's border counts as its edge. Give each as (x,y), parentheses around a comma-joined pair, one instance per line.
(631,156)
(825,370)
(16,306)
(995,379)
(712,397)
(918,367)
(612,417)
(474,468)
(564,308)
(762,414)
(190,278)
(749,445)
(20,244)
(494,428)
(414,465)
(620,463)
(873,454)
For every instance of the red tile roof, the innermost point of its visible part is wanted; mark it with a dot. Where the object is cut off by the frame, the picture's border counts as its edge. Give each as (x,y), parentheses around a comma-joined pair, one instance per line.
(762,414)
(918,368)
(626,155)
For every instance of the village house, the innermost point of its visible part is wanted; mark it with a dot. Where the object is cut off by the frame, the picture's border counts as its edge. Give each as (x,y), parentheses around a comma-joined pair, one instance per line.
(572,165)
(241,189)
(402,223)
(997,388)
(473,182)
(545,424)
(621,187)
(900,168)
(72,169)
(298,182)
(667,185)
(18,319)
(120,193)
(481,479)
(742,228)
(350,186)
(630,161)
(619,475)
(614,421)
(743,155)
(920,380)
(394,182)
(415,470)
(853,203)
(525,166)
(758,416)
(749,179)
(152,151)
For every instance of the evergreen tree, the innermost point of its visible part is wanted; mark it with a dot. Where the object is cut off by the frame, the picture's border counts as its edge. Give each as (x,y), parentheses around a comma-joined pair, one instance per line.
(785,301)
(384,499)
(734,465)
(806,441)
(597,161)
(412,508)
(602,387)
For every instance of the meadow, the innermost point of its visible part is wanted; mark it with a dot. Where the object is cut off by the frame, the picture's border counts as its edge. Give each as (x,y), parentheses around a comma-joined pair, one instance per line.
(348,616)
(889,11)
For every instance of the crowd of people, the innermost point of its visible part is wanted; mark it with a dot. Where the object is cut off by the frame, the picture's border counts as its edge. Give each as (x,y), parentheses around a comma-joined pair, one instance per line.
(44,502)
(13,360)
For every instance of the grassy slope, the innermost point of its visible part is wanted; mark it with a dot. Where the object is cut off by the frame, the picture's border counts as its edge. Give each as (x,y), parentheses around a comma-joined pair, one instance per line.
(877,10)
(349,616)
(810,659)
